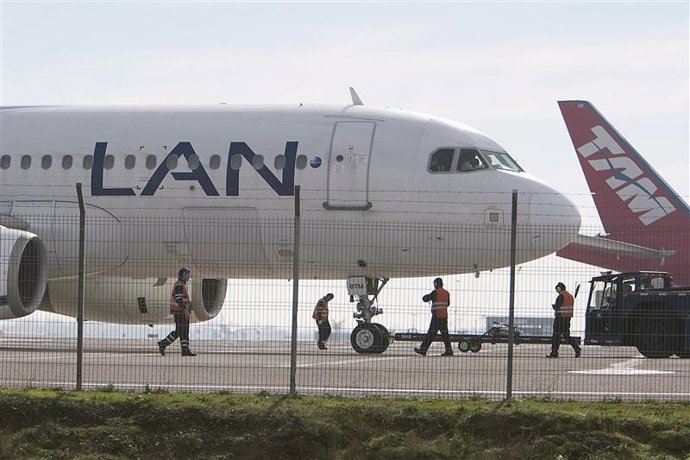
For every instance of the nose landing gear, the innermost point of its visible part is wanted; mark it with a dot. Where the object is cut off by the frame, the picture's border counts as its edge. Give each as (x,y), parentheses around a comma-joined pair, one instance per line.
(367,337)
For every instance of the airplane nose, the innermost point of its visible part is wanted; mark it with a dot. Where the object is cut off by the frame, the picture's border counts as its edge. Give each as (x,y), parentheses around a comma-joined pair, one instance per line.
(554,219)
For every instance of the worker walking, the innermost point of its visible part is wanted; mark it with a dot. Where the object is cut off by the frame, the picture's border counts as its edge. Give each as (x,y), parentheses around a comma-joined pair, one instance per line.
(180,307)
(440,300)
(320,314)
(563,308)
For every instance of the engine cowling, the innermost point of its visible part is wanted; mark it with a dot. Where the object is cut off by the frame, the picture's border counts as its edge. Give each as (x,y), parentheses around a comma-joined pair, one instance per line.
(23,272)
(133,301)
(207,305)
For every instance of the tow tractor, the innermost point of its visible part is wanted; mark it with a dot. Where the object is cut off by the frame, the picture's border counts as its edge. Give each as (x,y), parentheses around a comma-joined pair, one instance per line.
(367,337)
(640,309)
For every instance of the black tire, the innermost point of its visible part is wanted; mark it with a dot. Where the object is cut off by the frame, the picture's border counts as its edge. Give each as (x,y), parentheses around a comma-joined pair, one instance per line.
(366,339)
(383,338)
(655,338)
(475,346)
(464,345)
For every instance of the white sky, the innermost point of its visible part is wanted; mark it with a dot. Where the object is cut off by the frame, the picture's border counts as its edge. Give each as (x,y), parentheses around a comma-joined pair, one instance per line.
(499,67)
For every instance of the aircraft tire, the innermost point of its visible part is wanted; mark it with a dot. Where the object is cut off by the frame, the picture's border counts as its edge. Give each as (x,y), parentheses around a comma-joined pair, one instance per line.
(364,338)
(384,338)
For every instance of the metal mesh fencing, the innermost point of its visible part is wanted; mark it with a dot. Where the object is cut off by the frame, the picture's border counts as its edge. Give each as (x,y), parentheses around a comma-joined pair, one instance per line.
(241,289)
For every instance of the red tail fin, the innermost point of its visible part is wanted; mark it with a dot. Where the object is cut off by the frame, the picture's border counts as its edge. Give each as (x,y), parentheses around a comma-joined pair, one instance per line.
(647,223)
(628,193)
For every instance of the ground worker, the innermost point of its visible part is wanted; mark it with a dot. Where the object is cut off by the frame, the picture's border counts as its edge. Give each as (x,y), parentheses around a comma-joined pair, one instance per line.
(180,307)
(320,315)
(563,308)
(440,300)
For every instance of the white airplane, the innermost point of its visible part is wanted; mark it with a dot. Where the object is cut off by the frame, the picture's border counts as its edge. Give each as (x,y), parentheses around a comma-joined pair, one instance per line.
(384,193)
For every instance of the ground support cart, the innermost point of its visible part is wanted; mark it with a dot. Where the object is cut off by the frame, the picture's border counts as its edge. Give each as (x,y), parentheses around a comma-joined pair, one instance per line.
(498,333)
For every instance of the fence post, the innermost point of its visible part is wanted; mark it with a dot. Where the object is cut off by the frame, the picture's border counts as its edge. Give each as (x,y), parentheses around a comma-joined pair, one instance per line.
(80,288)
(511,308)
(295,294)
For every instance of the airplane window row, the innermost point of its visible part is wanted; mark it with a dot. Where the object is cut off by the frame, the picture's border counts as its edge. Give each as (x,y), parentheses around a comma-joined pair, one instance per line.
(450,160)
(151,161)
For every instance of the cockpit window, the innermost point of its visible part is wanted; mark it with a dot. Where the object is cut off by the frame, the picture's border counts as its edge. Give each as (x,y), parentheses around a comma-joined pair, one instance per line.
(441,160)
(469,160)
(501,160)
(464,159)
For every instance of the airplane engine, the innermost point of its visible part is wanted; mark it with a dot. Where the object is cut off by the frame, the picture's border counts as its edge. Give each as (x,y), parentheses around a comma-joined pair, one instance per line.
(23,273)
(133,301)
(208,305)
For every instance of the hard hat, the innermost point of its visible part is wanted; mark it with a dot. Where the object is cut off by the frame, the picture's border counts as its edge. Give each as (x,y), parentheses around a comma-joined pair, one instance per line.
(184,274)
(438,282)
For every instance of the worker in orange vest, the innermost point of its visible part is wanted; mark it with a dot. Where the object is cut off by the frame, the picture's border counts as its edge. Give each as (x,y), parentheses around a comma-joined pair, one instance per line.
(180,307)
(440,300)
(320,315)
(563,308)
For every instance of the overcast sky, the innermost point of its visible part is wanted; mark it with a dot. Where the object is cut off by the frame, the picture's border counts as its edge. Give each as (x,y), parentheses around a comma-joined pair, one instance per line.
(499,67)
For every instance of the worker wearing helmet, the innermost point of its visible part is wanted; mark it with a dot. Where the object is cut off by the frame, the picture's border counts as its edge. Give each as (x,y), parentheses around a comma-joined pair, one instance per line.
(563,308)
(440,300)
(180,307)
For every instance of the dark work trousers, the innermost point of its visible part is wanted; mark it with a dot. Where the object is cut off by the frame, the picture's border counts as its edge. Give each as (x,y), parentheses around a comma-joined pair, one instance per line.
(437,324)
(181,331)
(324,330)
(561,327)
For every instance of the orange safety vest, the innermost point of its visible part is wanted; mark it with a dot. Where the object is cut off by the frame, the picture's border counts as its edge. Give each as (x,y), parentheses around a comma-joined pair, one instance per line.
(566,308)
(440,303)
(175,309)
(321,309)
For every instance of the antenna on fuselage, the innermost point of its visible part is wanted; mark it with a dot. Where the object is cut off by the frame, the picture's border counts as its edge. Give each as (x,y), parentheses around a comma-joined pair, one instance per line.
(355,97)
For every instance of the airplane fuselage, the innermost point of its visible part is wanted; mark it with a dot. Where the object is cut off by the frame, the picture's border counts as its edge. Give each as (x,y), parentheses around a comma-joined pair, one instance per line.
(383,192)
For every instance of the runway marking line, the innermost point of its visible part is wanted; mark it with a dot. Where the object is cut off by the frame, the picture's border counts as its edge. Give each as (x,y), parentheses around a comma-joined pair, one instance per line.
(623,368)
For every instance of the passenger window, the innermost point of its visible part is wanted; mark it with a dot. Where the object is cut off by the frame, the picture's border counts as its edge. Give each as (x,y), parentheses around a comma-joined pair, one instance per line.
(171,162)
(46,162)
(109,162)
(469,160)
(214,163)
(88,161)
(258,162)
(279,162)
(67,162)
(441,160)
(193,162)
(5,161)
(236,162)
(130,161)
(301,162)
(26,162)
(150,161)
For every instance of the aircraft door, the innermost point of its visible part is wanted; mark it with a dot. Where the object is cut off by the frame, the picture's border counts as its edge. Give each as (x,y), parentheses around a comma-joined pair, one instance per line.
(348,166)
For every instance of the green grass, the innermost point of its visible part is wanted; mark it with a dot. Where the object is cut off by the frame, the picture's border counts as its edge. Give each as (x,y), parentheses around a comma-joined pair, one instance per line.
(112,425)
